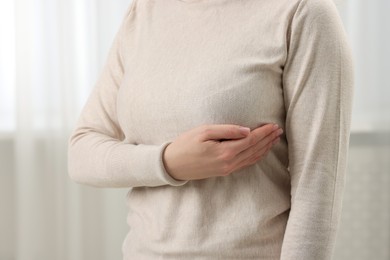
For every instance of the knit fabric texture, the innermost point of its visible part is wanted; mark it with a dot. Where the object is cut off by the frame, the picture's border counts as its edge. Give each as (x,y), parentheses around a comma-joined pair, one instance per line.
(177,64)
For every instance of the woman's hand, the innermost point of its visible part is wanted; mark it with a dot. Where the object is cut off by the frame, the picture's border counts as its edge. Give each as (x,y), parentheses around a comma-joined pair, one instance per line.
(199,153)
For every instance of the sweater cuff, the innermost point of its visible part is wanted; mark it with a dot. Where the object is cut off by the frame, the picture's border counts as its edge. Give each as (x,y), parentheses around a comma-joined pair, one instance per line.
(143,163)
(162,171)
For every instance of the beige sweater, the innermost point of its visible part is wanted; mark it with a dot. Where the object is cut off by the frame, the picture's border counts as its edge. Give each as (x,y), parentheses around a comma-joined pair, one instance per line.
(177,64)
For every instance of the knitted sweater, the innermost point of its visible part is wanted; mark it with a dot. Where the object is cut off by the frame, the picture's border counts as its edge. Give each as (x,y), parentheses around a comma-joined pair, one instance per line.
(177,64)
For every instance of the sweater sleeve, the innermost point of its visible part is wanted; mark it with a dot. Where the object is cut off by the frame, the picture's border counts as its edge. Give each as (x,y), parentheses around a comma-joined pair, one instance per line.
(318,95)
(97,154)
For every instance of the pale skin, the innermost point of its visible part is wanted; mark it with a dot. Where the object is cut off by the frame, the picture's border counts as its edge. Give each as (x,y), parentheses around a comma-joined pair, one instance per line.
(199,153)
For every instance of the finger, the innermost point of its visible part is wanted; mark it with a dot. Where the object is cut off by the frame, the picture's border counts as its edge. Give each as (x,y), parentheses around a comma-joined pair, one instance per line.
(221,131)
(252,152)
(245,162)
(258,149)
(262,153)
(265,132)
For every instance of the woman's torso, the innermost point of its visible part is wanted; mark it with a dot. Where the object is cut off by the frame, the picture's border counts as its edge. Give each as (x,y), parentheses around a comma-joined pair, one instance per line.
(197,62)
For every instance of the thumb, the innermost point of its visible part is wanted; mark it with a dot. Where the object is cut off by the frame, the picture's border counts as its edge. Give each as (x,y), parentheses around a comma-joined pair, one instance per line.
(225,131)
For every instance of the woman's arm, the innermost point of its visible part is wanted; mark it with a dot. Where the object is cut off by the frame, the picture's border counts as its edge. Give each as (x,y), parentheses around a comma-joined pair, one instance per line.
(318,94)
(96,154)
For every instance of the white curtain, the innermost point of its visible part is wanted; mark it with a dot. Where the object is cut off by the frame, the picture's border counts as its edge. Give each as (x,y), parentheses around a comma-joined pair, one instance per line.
(51,52)
(368,26)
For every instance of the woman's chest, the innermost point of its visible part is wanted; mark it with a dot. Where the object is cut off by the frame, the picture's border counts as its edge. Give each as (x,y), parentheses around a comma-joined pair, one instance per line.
(177,80)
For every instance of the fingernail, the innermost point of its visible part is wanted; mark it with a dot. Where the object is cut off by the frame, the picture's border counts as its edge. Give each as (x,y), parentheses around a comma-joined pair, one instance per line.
(244,130)
(276,126)
(280,131)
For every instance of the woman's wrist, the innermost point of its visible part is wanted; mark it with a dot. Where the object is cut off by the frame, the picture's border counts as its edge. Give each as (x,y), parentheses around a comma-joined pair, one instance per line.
(168,164)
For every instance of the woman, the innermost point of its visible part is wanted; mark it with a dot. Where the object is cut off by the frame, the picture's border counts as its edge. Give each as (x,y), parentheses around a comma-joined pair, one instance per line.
(164,117)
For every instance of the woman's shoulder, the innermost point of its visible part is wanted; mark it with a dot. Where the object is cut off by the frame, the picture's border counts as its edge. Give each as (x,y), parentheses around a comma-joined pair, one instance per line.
(314,9)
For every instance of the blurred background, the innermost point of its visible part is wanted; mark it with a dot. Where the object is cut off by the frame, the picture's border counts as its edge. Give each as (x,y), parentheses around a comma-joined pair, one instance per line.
(51,52)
